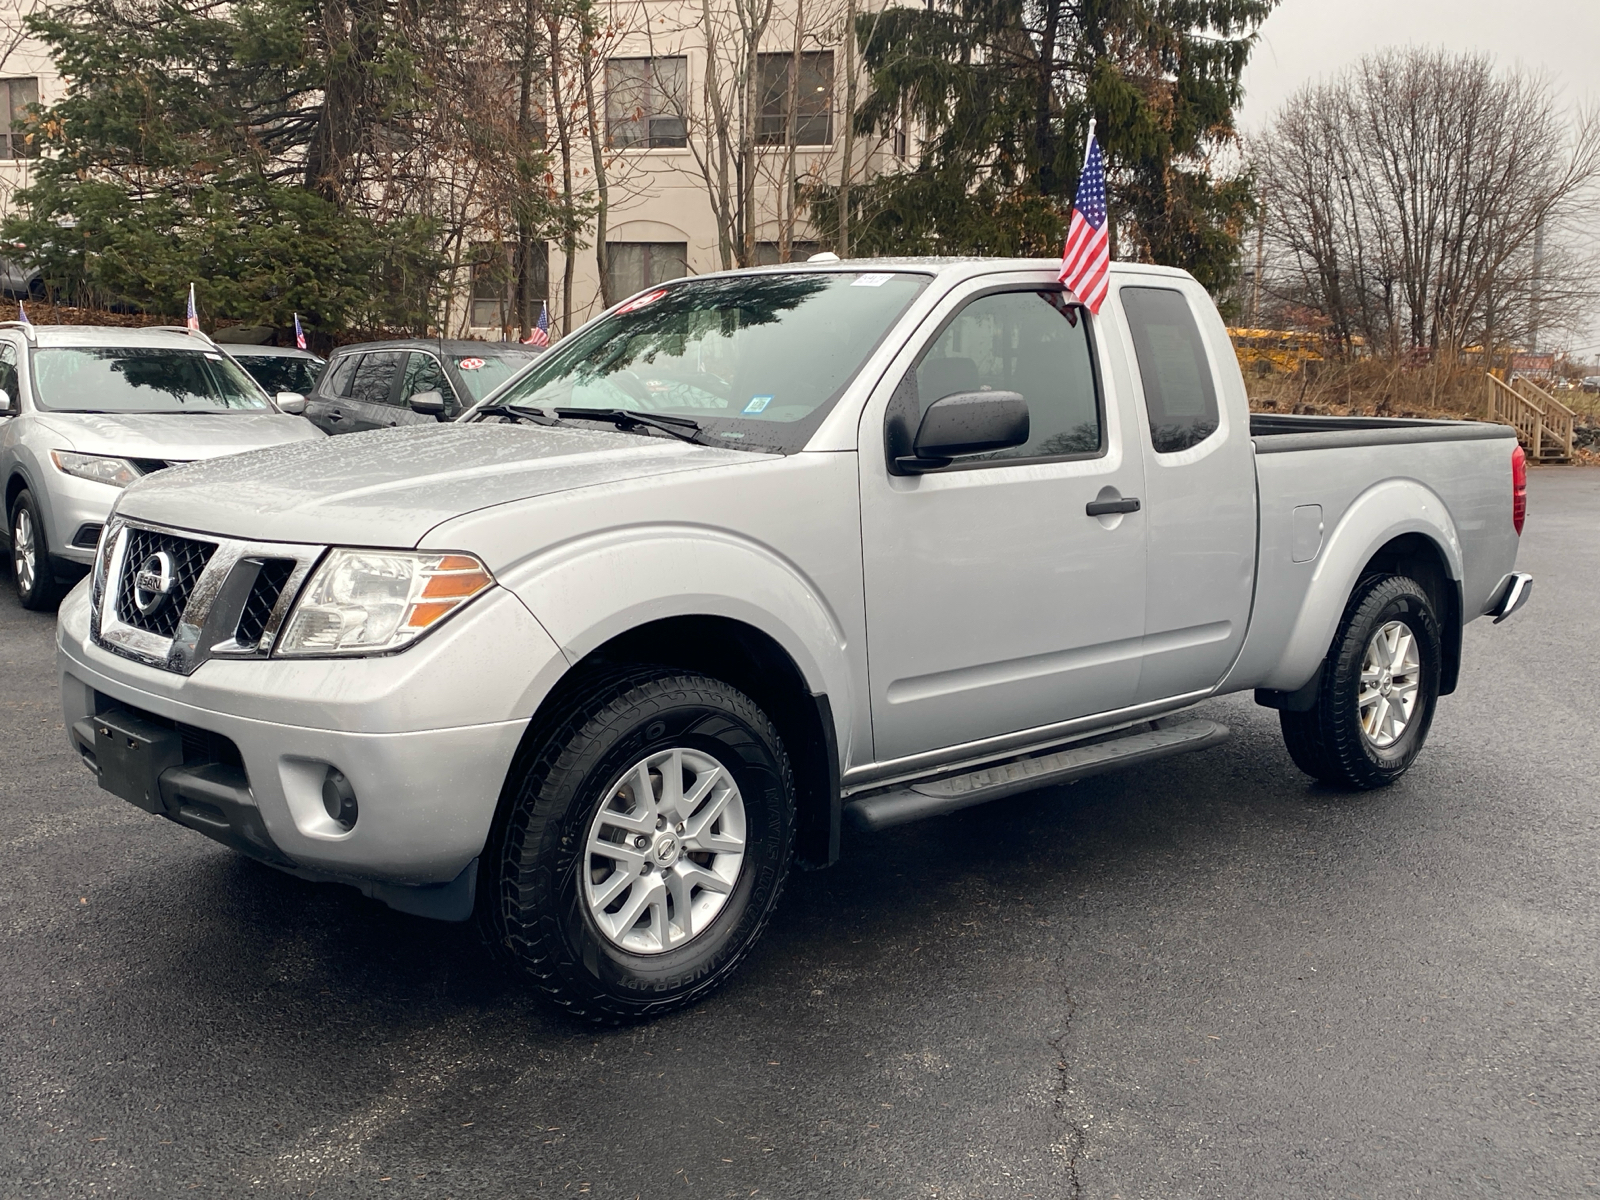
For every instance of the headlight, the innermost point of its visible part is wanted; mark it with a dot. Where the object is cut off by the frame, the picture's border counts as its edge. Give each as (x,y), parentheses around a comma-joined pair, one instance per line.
(370,601)
(118,472)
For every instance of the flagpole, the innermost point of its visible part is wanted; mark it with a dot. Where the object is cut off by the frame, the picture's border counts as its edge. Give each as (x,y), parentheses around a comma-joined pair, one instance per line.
(1087,142)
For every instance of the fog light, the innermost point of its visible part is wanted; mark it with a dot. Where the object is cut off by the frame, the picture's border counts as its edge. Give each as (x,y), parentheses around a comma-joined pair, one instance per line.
(339,798)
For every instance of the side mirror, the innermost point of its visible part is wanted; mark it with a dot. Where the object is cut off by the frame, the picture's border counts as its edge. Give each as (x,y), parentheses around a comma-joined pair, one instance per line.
(8,406)
(966,423)
(429,403)
(292,403)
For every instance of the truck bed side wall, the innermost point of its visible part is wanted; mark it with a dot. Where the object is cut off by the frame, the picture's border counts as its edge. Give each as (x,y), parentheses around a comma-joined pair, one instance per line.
(1447,491)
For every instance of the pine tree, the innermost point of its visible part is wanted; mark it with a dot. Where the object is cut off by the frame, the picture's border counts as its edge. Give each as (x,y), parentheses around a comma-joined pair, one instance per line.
(1002,91)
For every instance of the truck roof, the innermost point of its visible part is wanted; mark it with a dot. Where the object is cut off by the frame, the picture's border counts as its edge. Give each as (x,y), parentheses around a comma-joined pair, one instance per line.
(954,266)
(155,337)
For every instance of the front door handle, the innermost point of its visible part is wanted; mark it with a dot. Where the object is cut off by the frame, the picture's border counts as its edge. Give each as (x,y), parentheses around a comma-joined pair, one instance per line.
(1106,508)
(335,415)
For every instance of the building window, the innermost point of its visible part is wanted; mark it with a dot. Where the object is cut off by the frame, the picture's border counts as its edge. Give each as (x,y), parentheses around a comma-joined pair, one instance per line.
(494,285)
(813,116)
(634,266)
(15,96)
(647,101)
(767,253)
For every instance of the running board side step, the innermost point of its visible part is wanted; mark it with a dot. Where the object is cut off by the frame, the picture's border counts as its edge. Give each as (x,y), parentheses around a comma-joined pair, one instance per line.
(939,796)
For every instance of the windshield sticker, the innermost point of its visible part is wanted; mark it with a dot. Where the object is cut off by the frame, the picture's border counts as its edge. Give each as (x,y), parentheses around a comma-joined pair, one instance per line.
(470,364)
(874,279)
(757,403)
(641,301)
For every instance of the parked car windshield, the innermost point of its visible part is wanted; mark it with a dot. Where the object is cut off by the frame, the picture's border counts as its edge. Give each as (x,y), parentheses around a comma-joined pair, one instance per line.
(482,373)
(756,360)
(142,379)
(282,373)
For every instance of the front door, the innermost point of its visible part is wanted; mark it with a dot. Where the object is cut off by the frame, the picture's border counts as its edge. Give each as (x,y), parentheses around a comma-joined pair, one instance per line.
(995,602)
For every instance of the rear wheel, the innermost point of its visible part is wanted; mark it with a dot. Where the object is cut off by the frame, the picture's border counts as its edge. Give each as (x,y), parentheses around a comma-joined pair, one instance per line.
(30,556)
(1380,682)
(644,847)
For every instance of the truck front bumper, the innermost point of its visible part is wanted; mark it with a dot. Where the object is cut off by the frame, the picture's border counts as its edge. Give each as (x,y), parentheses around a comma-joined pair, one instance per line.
(422,739)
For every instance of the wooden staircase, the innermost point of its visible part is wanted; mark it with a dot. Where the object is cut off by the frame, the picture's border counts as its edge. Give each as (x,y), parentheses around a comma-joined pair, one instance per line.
(1543,423)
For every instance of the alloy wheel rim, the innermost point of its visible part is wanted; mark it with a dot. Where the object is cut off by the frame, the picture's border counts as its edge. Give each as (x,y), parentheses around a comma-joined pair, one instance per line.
(22,549)
(664,851)
(1391,682)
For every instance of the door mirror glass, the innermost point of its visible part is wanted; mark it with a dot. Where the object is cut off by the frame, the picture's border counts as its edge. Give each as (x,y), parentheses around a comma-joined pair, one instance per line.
(7,404)
(967,423)
(429,403)
(292,403)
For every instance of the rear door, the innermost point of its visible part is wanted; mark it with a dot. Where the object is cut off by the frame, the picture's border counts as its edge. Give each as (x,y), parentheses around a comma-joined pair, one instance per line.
(1199,488)
(329,407)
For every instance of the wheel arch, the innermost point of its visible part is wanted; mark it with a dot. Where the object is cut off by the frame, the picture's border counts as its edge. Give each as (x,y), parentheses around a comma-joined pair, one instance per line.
(748,658)
(1395,526)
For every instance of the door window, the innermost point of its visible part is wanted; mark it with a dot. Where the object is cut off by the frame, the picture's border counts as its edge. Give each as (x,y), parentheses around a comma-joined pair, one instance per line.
(336,382)
(1035,343)
(8,374)
(424,374)
(374,378)
(1178,393)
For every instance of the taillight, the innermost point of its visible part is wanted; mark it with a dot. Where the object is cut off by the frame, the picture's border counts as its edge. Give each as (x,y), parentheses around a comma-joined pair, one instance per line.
(1519,488)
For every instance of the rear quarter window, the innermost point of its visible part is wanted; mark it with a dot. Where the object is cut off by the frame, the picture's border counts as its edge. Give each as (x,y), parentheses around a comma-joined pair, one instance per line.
(1180,398)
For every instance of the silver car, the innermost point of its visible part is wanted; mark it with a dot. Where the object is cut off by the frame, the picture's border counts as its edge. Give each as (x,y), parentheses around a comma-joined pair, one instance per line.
(85,411)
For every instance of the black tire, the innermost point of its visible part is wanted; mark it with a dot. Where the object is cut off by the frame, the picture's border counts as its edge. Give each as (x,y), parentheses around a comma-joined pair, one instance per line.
(35,578)
(532,904)
(1329,742)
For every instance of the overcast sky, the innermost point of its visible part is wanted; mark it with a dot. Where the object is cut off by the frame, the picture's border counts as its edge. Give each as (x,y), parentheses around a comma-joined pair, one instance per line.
(1306,39)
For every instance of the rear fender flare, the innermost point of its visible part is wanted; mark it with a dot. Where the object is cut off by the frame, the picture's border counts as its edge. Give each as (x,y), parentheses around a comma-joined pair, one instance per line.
(1382,513)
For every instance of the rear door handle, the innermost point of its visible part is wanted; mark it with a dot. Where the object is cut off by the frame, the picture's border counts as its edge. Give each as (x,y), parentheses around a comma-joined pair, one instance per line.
(335,415)
(1106,508)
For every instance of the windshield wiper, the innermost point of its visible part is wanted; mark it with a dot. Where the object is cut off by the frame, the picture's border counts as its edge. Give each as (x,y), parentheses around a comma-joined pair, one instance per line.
(539,416)
(685,429)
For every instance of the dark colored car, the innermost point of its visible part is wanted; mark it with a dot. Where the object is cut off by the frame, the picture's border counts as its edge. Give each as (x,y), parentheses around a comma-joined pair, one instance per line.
(279,368)
(369,386)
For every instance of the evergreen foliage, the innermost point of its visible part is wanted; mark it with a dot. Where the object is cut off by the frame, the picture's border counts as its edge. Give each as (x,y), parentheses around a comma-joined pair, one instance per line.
(228,145)
(1002,92)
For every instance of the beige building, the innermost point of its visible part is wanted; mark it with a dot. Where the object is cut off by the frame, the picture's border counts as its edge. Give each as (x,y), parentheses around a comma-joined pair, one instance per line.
(673,114)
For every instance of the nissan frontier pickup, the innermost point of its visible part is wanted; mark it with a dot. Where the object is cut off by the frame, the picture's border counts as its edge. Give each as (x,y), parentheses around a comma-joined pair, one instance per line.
(753,557)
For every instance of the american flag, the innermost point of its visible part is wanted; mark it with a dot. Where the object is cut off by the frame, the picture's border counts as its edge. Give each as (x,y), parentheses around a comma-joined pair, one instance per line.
(193,321)
(540,334)
(299,334)
(22,314)
(1086,260)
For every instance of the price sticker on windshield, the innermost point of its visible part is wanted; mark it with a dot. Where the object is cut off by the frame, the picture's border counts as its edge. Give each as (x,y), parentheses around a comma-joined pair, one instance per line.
(640,301)
(872,279)
(470,364)
(757,403)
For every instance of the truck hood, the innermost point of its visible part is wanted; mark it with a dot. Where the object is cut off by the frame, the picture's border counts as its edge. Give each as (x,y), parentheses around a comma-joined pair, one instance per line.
(176,437)
(389,487)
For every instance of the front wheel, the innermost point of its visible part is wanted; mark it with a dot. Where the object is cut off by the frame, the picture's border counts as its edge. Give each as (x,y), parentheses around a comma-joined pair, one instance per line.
(643,848)
(30,556)
(1380,682)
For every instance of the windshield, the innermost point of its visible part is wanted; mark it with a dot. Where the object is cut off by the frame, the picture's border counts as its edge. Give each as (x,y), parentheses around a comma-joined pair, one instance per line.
(482,373)
(139,379)
(282,373)
(756,360)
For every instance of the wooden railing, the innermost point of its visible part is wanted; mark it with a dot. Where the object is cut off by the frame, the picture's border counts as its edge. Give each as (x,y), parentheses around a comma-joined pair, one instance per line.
(1543,423)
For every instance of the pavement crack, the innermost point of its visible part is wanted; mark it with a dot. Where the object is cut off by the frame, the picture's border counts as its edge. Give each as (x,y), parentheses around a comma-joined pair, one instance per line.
(1075,1138)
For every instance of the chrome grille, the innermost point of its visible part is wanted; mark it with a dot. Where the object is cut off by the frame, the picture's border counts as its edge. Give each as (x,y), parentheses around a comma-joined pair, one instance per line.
(189,558)
(263,598)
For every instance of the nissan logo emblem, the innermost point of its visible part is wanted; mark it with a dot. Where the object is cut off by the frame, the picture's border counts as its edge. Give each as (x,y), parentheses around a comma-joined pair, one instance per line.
(152,583)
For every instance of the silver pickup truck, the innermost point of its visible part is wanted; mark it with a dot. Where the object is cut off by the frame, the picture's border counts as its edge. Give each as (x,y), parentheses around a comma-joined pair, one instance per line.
(749,557)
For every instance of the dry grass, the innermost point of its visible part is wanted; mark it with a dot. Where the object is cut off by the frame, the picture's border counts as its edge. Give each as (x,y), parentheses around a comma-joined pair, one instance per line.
(1375,388)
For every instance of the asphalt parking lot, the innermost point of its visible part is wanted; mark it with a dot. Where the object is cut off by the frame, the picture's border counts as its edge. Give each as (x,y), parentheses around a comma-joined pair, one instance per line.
(1208,979)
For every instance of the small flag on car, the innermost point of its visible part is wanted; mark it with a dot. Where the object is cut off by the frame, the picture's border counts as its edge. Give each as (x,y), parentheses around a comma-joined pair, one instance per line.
(193,321)
(540,334)
(299,334)
(22,314)
(1086,259)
